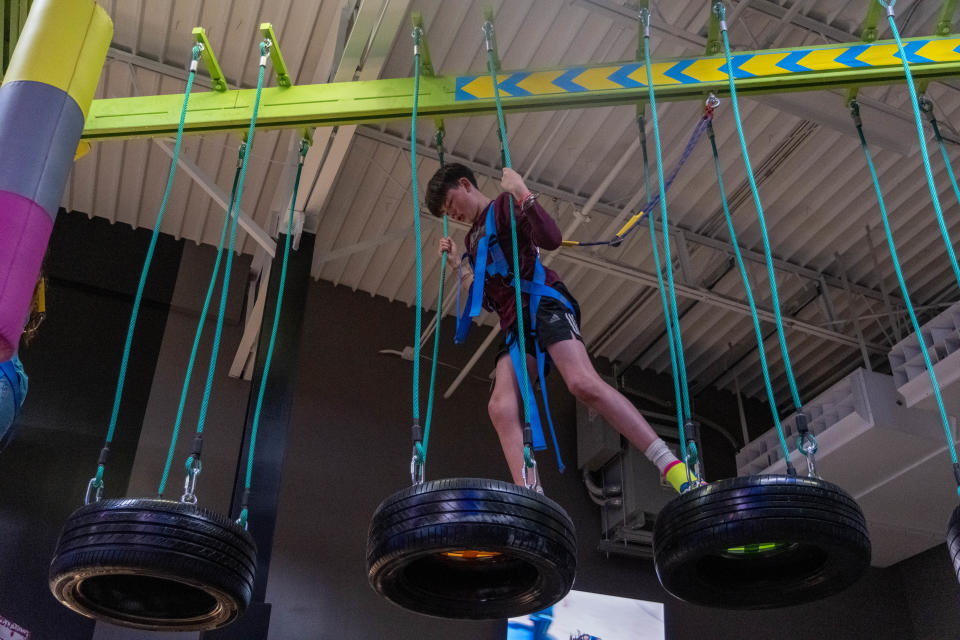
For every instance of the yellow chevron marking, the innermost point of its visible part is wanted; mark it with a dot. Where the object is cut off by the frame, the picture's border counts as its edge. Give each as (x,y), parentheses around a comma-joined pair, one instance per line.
(541,82)
(658,68)
(823,60)
(881,55)
(708,70)
(940,50)
(481,87)
(764,64)
(596,79)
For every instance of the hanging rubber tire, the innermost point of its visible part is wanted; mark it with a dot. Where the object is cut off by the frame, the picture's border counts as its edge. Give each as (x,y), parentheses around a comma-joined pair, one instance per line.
(760,542)
(153,564)
(471,548)
(953,540)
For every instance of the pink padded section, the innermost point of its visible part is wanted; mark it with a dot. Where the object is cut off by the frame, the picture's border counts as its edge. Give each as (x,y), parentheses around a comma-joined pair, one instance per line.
(24,232)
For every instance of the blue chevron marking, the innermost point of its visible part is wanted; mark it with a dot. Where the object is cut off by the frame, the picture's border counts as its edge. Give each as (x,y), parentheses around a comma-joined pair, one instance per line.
(849,57)
(565,81)
(911,50)
(460,94)
(736,61)
(676,72)
(791,62)
(510,85)
(622,76)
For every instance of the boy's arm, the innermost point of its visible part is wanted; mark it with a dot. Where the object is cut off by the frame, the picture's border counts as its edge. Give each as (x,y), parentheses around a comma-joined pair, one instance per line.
(543,231)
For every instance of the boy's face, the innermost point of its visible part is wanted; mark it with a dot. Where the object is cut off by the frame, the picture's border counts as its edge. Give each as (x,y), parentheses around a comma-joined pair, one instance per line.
(460,203)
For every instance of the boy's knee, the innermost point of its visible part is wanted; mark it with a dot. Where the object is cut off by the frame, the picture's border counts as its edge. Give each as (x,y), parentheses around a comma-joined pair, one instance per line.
(586,388)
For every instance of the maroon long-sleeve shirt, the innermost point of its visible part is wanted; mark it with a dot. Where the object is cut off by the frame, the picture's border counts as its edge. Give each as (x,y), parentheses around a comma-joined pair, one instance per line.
(535,228)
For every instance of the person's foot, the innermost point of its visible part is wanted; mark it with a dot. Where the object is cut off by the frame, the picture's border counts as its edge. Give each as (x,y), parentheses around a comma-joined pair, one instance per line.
(676,474)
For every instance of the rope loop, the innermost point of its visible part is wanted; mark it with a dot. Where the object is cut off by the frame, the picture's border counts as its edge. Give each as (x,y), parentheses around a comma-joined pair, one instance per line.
(721,11)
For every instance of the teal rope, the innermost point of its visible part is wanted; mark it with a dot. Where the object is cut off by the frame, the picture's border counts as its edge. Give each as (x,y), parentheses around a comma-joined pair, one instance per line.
(914,102)
(233,234)
(146,265)
(721,12)
(771,399)
(906,294)
(663,297)
(273,337)
(196,337)
(422,447)
(524,387)
(680,364)
(943,150)
(416,226)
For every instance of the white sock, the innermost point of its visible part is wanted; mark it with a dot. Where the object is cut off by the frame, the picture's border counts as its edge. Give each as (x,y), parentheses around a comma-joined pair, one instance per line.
(659,454)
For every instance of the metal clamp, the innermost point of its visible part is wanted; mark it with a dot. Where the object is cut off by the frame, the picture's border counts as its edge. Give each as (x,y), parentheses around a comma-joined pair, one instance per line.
(528,471)
(809,451)
(190,483)
(417,467)
(712,101)
(94,487)
(488,34)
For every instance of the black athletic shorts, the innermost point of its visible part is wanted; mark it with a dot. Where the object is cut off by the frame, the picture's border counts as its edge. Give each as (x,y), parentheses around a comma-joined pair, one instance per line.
(555,323)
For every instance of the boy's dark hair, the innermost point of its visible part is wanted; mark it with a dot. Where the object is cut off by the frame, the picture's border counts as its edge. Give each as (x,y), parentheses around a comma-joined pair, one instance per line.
(443,180)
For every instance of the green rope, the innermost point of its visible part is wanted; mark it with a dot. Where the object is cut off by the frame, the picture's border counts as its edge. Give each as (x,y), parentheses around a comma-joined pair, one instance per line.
(196,337)
(675,374)
(521,341)
(771,400)
(417,34)
(903,286)
(304,147)
(914,102)
(98,479)
(721,13)
(925,102)
(679,363)
(204,404)
(422,447)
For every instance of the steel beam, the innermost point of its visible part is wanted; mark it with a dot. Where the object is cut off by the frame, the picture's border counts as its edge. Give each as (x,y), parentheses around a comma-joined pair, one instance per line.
(573,87)
(601,207)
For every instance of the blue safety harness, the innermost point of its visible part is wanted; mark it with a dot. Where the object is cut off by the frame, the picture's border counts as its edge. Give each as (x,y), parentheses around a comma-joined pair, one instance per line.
(10,371)
(492,261)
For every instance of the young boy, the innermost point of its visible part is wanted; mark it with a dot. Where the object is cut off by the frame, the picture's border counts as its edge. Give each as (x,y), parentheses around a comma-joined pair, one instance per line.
(453,191)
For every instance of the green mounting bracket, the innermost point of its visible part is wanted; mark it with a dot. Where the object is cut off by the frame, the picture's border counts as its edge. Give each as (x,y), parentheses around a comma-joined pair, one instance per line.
(276,56)
(714,40)
(210,59)
(426,65)
(946,17)
(639,6)
(488,17)
(306,133)
(868,28)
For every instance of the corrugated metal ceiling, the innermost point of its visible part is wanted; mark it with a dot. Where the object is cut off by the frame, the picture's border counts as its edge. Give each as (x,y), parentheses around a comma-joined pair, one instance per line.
(817,194)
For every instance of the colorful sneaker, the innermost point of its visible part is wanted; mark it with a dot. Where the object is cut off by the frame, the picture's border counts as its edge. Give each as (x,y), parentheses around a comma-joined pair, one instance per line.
(676,475)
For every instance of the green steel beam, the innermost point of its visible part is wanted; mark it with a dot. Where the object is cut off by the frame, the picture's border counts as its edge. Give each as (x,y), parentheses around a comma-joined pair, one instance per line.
(714,40)
(945,21)
(573,87)
(276,56)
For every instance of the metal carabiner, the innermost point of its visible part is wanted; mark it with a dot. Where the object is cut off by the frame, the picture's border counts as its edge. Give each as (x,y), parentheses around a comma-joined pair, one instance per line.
(533,485)
(712,101)
(810,453)
(417,467)
(190,483)
(96,488)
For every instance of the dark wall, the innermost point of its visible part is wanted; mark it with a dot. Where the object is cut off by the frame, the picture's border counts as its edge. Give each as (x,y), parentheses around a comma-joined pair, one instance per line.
(931,590)
(349,448)
(73,365)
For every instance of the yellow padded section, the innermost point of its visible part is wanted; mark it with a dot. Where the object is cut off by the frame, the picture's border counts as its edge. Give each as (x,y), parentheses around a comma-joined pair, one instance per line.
(63,44)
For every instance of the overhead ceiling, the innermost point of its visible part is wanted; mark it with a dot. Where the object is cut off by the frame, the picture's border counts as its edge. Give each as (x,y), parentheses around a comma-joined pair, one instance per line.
(824,225)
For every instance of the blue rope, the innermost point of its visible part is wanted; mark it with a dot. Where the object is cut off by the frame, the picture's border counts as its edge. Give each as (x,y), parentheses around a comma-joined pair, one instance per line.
(680,364)
(903,290)
(273,338)
(416,225)
(233,234)
(422,447)
(98,480)
(721,12)
(943,149)
(196,337)
(771,399)
(923,143)
(524,386)
(675,374)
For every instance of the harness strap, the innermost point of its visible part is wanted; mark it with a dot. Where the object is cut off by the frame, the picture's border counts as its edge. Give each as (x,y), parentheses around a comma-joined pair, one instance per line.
(491,260)
(9,371)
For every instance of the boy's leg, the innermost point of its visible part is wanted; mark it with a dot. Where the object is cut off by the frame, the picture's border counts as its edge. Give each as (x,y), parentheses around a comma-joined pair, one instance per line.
(506,410)
(583,381)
